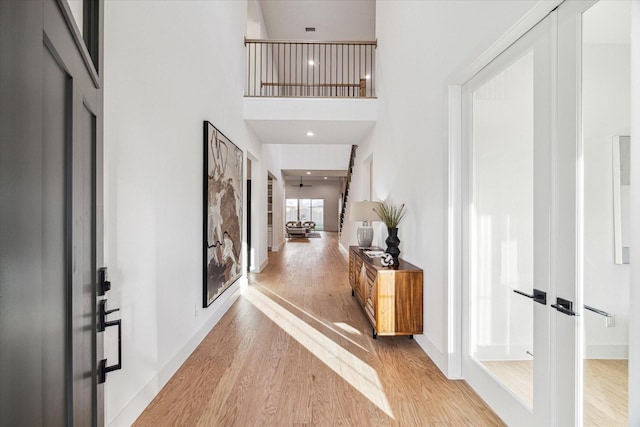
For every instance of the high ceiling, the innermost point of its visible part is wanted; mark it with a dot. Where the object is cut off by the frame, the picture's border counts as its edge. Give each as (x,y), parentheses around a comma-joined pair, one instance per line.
(344,20)
(333,20)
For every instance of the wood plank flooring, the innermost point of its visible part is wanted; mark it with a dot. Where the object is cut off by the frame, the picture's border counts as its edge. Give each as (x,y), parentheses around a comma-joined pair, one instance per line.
(606,392)
(296,350)
(605,387)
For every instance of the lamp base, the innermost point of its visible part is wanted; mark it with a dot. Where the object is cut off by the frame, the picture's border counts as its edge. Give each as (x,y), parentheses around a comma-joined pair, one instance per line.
(365,236)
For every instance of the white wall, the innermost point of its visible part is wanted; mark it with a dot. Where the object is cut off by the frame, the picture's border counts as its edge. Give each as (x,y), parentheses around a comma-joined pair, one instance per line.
(315,156)
(256,29)
(186,65)
(606,112)
(409,142)
(329,190)
(272,160)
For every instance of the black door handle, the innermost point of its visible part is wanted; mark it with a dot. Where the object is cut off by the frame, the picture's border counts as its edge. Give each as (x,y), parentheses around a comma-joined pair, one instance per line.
(103,284)
(564,306)
(538,295)
(102,315)
(102,325)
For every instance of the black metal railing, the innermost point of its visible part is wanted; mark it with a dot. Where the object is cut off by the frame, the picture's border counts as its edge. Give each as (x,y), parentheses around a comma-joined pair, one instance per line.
(347,187)
(281,68)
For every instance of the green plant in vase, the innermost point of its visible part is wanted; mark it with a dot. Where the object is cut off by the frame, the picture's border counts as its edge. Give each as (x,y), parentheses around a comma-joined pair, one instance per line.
(392,214)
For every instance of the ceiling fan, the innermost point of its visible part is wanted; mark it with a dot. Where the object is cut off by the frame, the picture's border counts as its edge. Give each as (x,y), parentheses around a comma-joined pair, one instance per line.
(301,184)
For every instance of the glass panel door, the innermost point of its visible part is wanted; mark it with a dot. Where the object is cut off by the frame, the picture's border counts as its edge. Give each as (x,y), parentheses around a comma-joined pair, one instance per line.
(305,210)
(501,317)
(317,213)
(507,114)
(291,210)
(606,123)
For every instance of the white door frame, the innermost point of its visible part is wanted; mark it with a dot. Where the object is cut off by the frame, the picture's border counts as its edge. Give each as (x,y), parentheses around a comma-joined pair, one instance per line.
(634,315)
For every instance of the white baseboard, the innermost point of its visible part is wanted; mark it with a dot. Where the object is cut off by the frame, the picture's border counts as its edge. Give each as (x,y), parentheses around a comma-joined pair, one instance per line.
(434,353)
(610,351)
(596,351)
(262,266)
(502,352)
(278,247)
(137,405)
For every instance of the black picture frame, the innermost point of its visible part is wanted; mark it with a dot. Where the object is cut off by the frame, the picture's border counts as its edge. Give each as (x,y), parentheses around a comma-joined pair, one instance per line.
(222,213)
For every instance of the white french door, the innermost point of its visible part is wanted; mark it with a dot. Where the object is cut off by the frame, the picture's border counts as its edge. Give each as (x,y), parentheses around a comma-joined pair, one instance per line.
(508,114)
(523,216)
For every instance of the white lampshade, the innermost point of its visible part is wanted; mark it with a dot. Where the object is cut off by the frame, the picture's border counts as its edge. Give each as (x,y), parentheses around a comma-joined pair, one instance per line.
(363,211)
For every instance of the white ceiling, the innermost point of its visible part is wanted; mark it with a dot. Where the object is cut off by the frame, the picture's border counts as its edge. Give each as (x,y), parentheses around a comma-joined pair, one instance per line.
(314,174)
(325,131)
(334,20)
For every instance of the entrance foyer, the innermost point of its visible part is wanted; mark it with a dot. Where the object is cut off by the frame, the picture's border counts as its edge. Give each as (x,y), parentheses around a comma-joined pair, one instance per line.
(296,349)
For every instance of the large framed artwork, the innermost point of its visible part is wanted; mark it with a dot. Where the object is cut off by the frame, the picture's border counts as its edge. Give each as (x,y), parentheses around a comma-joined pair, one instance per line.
(222,213)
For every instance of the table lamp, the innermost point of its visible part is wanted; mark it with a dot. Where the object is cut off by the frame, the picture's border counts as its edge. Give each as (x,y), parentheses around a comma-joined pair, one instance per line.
(363,211)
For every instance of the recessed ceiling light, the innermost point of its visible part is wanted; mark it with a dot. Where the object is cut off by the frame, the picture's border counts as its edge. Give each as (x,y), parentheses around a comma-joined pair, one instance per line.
(368,76)
(310,133)
(308,173)
(325,177)
(311,62)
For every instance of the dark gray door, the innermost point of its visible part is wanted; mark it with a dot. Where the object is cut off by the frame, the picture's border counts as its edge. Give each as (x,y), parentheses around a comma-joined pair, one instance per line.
(50,213)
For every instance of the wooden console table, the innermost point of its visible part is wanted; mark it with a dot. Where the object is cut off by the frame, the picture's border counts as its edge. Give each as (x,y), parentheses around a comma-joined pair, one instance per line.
(391,297)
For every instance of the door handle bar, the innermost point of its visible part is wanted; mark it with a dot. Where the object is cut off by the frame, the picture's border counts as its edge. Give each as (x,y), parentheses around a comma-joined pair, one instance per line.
(102,365)
(597,311)
(538,295)
(564,306)
(523,293)
(102,325)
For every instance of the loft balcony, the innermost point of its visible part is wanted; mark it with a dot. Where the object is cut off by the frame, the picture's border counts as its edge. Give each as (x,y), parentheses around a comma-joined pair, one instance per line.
(310,69)
(294,87)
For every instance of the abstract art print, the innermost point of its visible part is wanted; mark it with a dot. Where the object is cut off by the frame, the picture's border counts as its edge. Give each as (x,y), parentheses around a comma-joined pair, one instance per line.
(222,213)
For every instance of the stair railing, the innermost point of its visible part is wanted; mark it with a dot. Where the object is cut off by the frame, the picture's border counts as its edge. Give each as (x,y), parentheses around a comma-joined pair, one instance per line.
(347,186)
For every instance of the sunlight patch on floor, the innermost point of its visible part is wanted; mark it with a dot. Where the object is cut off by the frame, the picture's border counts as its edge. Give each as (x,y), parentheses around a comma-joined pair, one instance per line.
(353,370)
(345,327)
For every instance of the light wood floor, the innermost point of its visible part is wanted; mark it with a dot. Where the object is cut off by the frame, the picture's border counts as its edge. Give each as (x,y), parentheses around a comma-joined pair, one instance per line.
(605,387)
(296,350)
